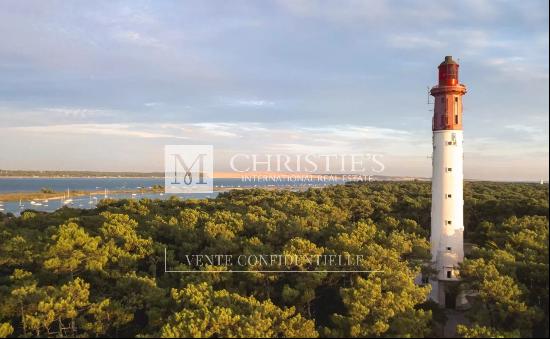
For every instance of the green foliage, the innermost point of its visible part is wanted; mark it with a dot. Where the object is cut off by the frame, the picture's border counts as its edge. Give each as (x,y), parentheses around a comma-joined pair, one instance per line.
(74,250)
(100,272)
(59,306)
(509,277)
(208,313)
(5,330)
(105,315)
(477,331)
(373,303)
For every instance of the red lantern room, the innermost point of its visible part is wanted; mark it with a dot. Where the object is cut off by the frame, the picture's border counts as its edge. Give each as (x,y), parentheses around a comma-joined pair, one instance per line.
(448,97)
(448,72)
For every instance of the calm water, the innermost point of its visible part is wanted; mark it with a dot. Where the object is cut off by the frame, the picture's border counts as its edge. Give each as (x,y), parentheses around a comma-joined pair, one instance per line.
(11,185)
(8,185)
(86,201)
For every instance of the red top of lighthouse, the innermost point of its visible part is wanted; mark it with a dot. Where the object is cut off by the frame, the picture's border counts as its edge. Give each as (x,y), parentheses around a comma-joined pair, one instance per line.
(448,72)
(448,97)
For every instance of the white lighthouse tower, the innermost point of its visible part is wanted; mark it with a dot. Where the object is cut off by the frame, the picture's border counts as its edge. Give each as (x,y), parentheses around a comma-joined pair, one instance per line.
(447,224)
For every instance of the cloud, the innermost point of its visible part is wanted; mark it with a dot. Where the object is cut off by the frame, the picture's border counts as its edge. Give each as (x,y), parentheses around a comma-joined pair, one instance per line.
(524,128)
(341,12)
(71,112)
(122,130)
(248,102)
(519,68)
(536,134)
(231,135)
(414,41)
(404,151)
(153,104)
(137,38)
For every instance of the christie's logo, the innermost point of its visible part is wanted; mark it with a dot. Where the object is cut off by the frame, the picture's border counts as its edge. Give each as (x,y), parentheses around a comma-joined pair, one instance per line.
(188,168)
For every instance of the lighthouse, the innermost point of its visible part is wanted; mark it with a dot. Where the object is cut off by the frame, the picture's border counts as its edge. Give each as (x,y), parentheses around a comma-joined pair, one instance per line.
(447,221)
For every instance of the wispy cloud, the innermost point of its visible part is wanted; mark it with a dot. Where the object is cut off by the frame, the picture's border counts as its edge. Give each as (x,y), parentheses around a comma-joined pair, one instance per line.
(410,41)
(72,112)
(137,38)
(248,102)
(231,135)
(123,130)
(153,104)
(518,67)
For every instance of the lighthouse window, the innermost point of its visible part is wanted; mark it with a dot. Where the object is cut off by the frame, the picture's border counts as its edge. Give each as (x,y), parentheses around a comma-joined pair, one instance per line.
(448,222)
(449,169)
(448,248)
(456,110)
(449,274)
(449,196)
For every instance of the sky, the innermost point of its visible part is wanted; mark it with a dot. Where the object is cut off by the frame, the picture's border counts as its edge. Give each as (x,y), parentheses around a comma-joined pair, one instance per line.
(104,85)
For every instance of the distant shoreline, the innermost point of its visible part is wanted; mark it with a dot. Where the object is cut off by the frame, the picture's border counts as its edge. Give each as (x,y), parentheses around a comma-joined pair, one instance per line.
(161,176)
(57,195)
(51,174)
(15,196)
(75,177)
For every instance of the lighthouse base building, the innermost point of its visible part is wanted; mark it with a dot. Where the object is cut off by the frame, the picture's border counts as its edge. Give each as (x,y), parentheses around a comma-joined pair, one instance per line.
(447,221)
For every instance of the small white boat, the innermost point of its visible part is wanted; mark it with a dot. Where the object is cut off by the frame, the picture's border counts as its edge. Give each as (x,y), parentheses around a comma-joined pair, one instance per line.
(68,200)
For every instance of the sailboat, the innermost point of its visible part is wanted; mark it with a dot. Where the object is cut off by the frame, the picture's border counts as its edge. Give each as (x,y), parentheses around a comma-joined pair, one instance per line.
(68,200)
